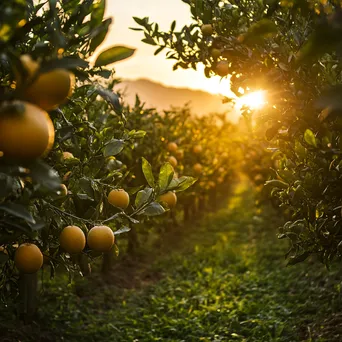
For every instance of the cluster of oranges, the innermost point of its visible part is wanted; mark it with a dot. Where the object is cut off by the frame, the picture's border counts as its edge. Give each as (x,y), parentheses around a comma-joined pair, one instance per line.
(170,198)
(172,147)
(29,259)
(26,130)
(27,133)
(222,66)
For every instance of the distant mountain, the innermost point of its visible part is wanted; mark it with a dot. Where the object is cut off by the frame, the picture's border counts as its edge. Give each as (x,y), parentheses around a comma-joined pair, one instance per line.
(162,97)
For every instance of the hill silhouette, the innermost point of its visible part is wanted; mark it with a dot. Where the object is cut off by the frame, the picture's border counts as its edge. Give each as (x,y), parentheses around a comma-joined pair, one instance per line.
(162,97)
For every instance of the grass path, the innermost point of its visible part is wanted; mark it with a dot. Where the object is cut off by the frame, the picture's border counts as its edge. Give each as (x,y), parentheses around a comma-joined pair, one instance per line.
(225,281)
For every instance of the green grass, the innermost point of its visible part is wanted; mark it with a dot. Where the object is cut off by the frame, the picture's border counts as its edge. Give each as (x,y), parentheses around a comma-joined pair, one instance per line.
(225,280)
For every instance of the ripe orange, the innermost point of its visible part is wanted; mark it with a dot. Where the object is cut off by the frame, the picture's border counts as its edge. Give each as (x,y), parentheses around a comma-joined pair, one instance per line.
(179,154)
(26,131)
(118,198)
(222,68)
(72,239)
(67,176)
(100,238)
(197,168)
(197,149)
(207,30)
(67,155)
(172,147)
(241,38)
(215,53)
(28,258)
(49,89)
(3,250)
(211,184)
(220,180)
(170,198)
(63,190)
(173,161)
(258,178)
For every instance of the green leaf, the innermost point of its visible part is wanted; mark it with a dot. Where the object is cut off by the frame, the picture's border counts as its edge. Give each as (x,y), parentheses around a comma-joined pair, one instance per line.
(122,230)
(147,170)
(165,176)
(142,197)
(260,30)
(110,97)
(330,99)
(136,134)
(272,131)
(275,183)
(6,185)
(98,13)
(69,63)
(149,41)
(297,258)
(43,174)
(181,184)
(139,21)
(99,34)
(310,138)
(86,186)
(113,54)
(324,39)
(19,211)
(114,147)
(153,209)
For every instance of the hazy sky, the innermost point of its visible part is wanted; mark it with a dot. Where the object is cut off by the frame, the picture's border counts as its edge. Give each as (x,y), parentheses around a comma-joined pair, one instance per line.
(144,64)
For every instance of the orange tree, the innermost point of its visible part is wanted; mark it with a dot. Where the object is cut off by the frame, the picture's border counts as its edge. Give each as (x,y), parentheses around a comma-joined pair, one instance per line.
(64,198)
(198,146)
(291,49)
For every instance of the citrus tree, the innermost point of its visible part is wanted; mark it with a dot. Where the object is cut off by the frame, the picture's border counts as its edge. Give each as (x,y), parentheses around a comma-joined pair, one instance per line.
(291,49)
(64,197)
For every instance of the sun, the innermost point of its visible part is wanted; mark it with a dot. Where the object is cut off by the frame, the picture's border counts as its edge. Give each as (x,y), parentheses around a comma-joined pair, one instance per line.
(254,100)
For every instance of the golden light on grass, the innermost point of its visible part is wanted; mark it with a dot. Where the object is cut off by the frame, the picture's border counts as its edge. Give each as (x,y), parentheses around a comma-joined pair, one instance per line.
(254,100)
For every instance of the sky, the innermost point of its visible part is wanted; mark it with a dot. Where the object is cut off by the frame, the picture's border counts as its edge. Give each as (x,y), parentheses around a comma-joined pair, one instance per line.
(144,64)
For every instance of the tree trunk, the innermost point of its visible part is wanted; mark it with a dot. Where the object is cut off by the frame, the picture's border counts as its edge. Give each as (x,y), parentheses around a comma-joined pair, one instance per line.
(133,241)
(28,284)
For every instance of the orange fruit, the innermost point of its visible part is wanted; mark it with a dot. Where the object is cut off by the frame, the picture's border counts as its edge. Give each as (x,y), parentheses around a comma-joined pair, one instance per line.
(28,258)
(172,147)
(67,176)
(197,168)
(118,198)
(215,53)
(26,131)
(72,239)
(101,238)
(48,89)
(63,191)
(3,250)
(197,149)
(173,161)
(221,170)
(211,184)
(179,154)
(170,198)
(222,68)
(67,155)
(207,29)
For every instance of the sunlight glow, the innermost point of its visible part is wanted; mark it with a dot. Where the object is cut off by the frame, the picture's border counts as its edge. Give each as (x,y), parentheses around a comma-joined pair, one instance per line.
(254,100)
